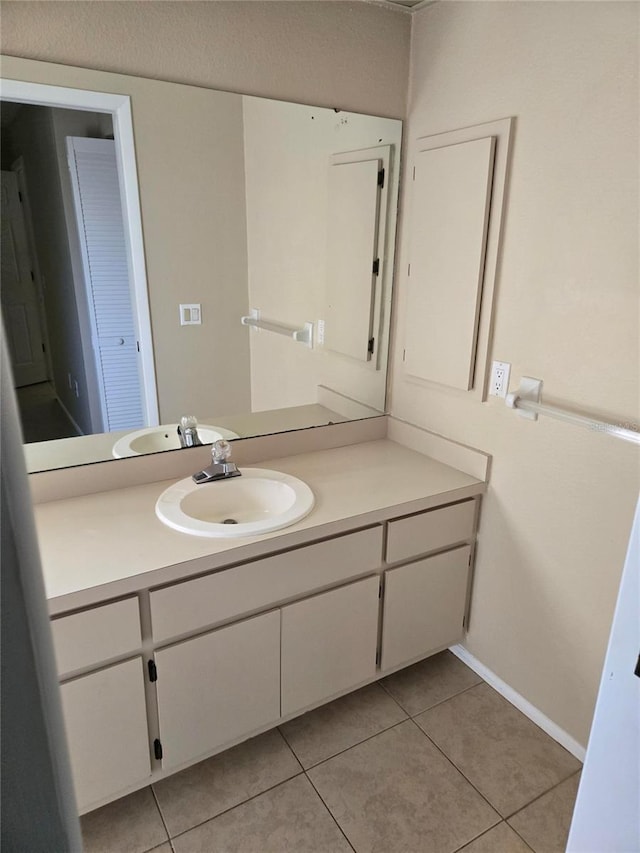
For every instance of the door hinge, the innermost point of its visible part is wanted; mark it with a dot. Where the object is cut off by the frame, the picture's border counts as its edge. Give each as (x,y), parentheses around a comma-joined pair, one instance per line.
(380,178)
(153,672)
(138,345)
(157,749)
(20,196)
(44,349)
(33,278)
(378,657)
(371,345)
(376,266)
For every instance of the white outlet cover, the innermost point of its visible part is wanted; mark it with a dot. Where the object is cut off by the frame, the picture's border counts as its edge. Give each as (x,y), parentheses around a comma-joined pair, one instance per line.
(499,382)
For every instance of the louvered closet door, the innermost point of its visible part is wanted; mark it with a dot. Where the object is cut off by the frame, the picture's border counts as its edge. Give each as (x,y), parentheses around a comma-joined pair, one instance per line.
(98,208)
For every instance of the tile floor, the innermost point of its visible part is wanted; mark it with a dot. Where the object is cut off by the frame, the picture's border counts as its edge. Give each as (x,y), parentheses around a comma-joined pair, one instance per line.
(431,759)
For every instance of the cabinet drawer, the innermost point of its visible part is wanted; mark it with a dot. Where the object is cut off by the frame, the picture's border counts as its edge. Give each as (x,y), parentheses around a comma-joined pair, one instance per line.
(424,605)
(96,635)
(430,531)
(247,588)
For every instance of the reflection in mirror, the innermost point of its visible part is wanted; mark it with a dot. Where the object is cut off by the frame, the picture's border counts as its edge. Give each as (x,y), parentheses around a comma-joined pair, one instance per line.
(269,232)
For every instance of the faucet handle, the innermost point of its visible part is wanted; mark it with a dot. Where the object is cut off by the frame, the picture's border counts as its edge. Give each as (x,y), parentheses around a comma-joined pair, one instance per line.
(188,422)
(221,450)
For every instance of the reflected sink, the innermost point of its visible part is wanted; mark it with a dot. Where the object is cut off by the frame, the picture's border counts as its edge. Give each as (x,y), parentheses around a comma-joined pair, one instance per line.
(164,437)
(257,502)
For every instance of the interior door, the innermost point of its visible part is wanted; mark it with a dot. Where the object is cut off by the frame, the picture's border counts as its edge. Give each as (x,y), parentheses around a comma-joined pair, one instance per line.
(19,297)
(98,208)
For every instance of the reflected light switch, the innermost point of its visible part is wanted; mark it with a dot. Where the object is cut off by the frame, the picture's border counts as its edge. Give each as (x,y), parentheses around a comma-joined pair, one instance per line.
(191,315)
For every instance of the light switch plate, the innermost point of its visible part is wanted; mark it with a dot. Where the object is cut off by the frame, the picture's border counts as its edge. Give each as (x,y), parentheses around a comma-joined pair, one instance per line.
(191,314)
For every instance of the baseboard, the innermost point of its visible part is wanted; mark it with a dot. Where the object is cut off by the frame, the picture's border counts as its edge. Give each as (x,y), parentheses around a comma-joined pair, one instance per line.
(534,714)
(68,414)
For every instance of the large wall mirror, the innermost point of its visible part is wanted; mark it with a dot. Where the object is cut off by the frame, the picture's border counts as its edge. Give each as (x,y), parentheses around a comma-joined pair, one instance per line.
(169,250)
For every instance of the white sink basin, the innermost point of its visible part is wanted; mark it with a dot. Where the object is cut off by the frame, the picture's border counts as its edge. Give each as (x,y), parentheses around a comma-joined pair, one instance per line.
(257,502)
(164,437)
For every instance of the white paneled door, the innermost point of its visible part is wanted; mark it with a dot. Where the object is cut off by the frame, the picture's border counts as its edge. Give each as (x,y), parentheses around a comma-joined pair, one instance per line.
(98,208)
(19,298)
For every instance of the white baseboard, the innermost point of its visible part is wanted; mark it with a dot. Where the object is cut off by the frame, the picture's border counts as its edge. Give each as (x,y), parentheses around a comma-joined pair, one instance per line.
(534,714)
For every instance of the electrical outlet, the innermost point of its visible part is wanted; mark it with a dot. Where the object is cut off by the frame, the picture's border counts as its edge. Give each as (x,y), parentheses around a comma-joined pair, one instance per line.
(499,384)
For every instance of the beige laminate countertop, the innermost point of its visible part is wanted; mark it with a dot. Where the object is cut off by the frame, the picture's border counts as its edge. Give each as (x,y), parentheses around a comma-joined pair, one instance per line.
(105,545)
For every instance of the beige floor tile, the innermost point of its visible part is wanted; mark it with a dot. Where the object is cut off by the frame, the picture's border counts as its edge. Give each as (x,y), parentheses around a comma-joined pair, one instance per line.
(339,725)
(500,839)
(545,823)
(288,819)
(132,823)
(219,783)
(396,793)
(164,848)
(429,682)
(507,757)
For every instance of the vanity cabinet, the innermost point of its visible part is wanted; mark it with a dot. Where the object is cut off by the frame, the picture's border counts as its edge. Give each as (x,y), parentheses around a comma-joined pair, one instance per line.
(217,687)
(159,680)
(107,733)
(329,644)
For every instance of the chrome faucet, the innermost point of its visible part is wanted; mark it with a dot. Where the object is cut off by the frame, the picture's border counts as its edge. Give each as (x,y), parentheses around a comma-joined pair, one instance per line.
(188,431)
(221,468)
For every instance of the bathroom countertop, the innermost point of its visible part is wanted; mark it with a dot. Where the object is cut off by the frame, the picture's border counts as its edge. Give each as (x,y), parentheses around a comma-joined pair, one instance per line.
(108,544)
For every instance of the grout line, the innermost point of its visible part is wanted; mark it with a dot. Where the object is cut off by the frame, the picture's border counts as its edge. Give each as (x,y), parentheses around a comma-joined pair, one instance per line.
(486,832)
(543,794)
(333,818)
(237,805)
(454,765)
(292,750)
(520,837)
(358,743)
(164,823)
(448,698)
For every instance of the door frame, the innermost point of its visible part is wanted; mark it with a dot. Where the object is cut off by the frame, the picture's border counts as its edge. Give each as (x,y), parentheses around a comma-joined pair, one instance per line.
(119,107)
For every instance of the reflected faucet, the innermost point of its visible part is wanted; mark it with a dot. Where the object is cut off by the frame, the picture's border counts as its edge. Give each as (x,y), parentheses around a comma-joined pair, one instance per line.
(188,431)
(221,468)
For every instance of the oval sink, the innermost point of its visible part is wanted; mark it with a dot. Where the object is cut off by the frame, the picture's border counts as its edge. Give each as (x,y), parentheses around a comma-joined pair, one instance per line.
(164,437)
(257,502)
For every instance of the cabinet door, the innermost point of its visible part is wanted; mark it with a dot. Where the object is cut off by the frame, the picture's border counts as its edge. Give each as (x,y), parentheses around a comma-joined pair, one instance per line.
(106,721)
(424,606)
(218,687)
(329,643)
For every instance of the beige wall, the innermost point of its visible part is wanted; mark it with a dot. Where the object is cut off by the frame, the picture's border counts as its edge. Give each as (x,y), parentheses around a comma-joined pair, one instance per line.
(345,54)
(557,518)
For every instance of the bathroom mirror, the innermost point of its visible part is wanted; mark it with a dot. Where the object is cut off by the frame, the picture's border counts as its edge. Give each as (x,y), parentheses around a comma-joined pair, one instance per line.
(265,242)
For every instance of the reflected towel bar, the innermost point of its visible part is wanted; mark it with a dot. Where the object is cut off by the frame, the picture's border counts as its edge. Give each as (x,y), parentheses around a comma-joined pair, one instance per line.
(527,401)
(303,336)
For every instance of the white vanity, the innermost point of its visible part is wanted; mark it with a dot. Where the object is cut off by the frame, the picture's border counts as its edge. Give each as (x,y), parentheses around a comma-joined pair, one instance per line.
(171,648)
